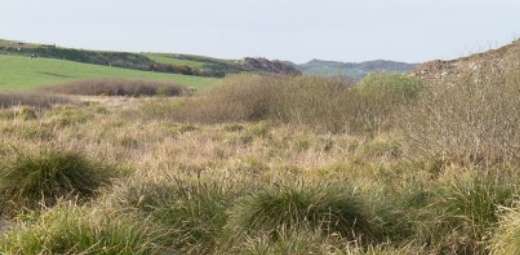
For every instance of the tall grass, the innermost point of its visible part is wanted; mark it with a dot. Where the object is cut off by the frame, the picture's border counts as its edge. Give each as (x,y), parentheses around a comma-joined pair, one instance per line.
(193,212)
(507,239)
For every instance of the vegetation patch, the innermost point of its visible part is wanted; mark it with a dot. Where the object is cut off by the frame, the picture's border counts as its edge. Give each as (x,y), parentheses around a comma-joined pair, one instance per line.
(133,88)
(31,99)
(29,179)
(194,212)
(69,229)
(330,208)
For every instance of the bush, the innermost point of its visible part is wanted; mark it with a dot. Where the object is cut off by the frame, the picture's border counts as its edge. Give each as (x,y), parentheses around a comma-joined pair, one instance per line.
(34,100)
(378,97)
(471,120)
(133,88)
(506,240)
(333,209)
(326,104)
(30,178)
(78,230)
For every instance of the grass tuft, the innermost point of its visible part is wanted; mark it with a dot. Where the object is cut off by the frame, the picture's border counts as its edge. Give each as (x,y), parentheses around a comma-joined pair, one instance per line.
(333,209)
(28,179)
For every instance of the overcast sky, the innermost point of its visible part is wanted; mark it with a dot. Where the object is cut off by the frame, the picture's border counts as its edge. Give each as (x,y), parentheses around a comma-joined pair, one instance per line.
(297,30)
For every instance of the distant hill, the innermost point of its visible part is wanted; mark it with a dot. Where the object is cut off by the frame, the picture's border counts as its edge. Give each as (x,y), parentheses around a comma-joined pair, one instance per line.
(505,58)
(157,62)
(353,70)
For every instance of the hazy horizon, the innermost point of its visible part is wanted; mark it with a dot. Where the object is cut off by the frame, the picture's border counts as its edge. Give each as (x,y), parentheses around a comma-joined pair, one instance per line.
(400,30)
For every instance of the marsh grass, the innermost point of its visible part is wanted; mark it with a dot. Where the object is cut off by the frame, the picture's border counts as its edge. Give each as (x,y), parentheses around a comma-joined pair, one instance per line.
(334,209)
(72,229)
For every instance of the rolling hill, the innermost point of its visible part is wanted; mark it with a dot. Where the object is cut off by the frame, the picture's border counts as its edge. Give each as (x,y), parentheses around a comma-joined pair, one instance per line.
(158,62)
(19,72)
(353,70)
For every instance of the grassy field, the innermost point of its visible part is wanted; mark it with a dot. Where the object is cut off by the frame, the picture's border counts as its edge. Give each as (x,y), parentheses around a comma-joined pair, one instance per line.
(266,165)
(22,73)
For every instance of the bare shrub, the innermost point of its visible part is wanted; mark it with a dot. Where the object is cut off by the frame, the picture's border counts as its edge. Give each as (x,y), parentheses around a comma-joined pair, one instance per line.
(331,105)
(474,119)
(30,99)
(111,87)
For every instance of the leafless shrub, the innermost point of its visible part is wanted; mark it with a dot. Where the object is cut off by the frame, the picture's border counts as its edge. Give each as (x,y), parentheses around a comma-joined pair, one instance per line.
(332,105)
(111,87)
(474,119)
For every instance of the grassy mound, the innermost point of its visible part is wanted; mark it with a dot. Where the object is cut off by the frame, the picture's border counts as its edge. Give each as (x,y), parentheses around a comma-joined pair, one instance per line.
(31,178)
(132,88)
(329,208)
(77,230)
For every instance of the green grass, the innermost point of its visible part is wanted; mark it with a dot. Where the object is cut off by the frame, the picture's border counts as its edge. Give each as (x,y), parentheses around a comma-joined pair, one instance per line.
(22,73)
(171,60)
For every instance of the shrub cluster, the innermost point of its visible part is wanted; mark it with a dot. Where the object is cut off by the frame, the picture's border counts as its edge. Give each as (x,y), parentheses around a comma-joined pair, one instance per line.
(474,119)
(331,105)
(133,88)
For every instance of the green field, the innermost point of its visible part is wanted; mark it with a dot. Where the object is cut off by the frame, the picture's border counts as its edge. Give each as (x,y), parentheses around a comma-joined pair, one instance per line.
(21,73)
(171,60)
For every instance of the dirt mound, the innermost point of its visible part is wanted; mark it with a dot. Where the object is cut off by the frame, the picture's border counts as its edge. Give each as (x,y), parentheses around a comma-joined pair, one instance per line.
(506,58)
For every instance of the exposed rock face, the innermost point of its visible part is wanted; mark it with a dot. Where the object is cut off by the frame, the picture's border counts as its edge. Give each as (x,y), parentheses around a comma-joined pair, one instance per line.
(269,66)
(504,59)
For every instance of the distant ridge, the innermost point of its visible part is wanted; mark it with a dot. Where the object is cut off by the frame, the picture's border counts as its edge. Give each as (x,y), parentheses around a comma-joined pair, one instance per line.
(353,70)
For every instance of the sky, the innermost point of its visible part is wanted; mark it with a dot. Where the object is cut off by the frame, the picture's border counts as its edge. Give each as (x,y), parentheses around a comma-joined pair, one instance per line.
(295,30)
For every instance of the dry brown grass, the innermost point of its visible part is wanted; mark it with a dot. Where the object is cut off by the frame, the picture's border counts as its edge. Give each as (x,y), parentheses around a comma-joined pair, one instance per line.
(31,99)
(195,164)
(111,87)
